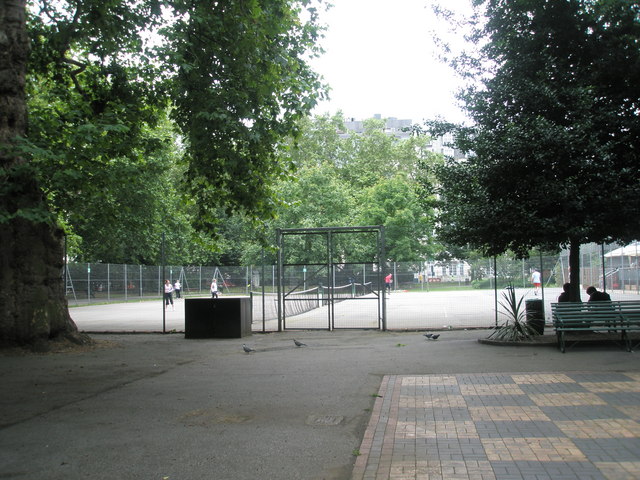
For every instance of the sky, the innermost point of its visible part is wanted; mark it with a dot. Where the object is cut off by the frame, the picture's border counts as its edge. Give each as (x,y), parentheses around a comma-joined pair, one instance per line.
(380,60)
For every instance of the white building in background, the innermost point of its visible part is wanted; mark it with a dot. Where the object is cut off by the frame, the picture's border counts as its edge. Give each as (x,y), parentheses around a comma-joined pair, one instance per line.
(451,271)
(393,126)
(443,145)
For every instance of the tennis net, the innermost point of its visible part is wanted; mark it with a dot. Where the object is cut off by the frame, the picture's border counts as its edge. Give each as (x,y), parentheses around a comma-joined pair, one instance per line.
(298,302)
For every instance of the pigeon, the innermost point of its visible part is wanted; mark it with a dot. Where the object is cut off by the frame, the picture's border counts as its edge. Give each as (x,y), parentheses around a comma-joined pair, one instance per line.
(428,335)
(299,344)
(247,349)
(435,337)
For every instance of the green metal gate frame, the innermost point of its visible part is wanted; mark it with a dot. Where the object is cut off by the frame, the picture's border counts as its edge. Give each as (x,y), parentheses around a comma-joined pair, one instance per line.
(330,265)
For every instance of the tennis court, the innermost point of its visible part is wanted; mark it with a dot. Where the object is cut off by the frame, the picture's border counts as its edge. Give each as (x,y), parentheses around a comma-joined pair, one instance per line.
(405,311)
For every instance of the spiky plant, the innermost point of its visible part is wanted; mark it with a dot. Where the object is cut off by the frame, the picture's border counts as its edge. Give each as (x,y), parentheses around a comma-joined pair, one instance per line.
(515,327)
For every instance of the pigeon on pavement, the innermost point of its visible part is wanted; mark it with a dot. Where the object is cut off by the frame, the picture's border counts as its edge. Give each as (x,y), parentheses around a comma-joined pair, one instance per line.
(428,335)
(299,344)
(247,349)
(435,337)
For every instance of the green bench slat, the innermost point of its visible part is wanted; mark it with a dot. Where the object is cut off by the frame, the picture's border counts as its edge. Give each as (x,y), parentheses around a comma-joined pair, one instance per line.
(622,316)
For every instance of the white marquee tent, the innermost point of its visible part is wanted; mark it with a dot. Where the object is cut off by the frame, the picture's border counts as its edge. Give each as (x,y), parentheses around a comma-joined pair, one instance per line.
(631,250)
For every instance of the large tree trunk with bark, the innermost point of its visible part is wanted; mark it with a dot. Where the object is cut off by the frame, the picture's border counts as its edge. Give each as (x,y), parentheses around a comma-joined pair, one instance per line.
(33,306)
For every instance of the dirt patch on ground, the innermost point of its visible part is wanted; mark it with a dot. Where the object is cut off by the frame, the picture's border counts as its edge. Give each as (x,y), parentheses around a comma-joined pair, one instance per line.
(58,345)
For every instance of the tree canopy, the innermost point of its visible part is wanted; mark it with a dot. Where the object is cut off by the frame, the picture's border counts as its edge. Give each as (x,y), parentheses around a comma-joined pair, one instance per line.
(346,178)
(241,85)
(102,79)
(555,132)
(100,98)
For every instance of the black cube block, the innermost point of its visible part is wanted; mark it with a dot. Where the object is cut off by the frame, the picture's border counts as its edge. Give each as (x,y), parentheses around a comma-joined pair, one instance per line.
(227,317)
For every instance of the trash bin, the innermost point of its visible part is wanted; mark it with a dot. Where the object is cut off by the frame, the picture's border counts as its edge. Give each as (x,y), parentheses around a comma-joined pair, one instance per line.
(227,317)
(535,315)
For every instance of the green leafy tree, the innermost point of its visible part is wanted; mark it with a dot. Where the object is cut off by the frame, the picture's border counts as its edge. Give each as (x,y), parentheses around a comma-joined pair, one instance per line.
(555,130)
(408,230)
(321,141)
(240,87)
(236,79)
(99,139)
(350,179)
(316,198)
(336,186)
(372,156)
(377,172)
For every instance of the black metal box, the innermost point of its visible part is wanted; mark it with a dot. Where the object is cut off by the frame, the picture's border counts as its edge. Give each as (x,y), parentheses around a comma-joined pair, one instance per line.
(534,309)
(227,317)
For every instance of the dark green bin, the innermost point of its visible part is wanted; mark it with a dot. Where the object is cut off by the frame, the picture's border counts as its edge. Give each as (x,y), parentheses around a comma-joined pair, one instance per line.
(535,314)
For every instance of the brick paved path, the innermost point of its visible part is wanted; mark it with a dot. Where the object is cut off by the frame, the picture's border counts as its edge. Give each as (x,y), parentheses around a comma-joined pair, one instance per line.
(504,427)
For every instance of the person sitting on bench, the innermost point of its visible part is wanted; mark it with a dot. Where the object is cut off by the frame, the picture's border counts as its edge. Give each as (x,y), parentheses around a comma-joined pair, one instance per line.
(597,296)
(564,296)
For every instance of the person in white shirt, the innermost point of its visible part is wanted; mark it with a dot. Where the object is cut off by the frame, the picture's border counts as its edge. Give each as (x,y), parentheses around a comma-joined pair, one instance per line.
(168,294)
(536,279)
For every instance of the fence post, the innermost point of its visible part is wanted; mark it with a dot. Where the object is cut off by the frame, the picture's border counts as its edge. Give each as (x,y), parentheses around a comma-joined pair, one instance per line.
(541,279)
(604,272)
(262,286)
(164,310)
(637,273)
(395,276)
(495,286)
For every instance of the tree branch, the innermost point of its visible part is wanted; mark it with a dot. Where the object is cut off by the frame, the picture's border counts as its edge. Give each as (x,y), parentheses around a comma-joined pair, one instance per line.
(81,68)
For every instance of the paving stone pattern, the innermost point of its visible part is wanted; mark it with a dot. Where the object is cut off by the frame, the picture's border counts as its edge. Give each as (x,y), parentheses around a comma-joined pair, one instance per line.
(504,427)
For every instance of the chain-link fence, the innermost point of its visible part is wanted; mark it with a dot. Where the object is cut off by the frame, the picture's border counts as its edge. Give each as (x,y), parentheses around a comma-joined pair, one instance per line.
(618,265)
(434,293)
(99,283)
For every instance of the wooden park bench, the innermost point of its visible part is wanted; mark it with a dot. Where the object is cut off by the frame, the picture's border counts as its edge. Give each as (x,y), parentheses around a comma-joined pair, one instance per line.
(611,317)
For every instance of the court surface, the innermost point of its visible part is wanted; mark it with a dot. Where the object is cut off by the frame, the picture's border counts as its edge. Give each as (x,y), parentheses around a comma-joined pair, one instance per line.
(405,311)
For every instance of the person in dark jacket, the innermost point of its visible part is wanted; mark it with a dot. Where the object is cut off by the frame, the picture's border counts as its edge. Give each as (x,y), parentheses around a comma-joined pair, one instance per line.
(597,296)
(564,296)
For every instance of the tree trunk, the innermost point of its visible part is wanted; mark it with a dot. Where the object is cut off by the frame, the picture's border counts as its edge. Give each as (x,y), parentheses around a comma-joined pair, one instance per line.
(574,270)
(33,305)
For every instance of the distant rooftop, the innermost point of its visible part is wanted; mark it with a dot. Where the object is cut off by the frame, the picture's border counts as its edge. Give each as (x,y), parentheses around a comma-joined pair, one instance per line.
(393,126)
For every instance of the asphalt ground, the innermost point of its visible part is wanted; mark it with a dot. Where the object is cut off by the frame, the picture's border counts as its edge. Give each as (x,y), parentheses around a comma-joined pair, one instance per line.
(161,407)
